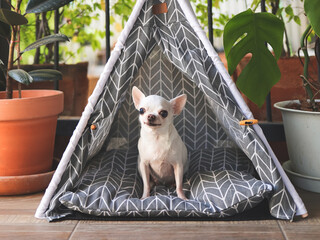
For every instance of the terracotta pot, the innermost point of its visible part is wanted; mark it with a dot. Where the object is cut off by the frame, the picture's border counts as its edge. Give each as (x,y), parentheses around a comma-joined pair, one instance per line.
(74,84)
(27,131)
(26,184)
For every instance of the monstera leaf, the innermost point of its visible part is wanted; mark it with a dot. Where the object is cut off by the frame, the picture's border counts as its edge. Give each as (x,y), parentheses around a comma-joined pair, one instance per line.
(248,32)
(46,40)
(38,6)
(20,76)
(312,9)
(45,75)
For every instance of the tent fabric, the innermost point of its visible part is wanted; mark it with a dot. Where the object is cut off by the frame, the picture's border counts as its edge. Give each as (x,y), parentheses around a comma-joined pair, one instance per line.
(164,54)
(111,186)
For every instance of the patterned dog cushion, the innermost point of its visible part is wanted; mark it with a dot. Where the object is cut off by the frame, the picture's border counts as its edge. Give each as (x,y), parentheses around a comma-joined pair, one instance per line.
(219,159)
(111,186)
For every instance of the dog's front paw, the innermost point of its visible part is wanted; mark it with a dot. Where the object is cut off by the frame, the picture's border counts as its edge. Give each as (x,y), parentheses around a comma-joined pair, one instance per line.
(145,195)
(181,195)
(183,198)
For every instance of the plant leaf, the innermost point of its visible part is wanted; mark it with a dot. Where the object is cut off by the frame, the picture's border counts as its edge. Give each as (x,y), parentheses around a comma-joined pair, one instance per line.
(12,18)
(3,68)
(246,33)
(297,20)
(46,40)
(41,75)
(20,76)
(5,30)
(311,8)
(38,6)
(289,11)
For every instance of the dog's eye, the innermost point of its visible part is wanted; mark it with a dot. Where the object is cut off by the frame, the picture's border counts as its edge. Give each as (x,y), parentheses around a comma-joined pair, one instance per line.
(163,113)
(142,111)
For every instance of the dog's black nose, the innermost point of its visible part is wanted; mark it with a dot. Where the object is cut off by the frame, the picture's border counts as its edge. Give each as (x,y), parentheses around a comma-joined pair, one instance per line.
(151,117)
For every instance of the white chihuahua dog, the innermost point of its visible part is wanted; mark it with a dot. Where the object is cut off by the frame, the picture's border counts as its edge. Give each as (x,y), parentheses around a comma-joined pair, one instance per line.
(162,154)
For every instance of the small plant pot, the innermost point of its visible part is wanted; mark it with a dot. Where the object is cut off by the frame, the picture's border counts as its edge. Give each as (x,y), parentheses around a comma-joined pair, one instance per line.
(302,130)
(27,131)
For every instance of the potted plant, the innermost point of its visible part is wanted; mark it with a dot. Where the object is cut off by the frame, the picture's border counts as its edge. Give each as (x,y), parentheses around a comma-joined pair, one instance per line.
(74,21)
(28,117)
(250,32)
(301,117)
(289,63)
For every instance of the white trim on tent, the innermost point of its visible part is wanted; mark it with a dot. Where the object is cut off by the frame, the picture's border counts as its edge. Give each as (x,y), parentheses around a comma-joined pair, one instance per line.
(190,16)
(301,209)
(192,19)
(40,213)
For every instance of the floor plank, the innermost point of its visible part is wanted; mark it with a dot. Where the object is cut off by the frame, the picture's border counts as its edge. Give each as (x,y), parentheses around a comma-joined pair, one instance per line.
(176,230)
(17,221)
(303,232)
(35,231)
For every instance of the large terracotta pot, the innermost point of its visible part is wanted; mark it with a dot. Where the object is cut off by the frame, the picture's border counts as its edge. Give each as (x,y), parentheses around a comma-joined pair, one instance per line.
(74,84)
(27,131)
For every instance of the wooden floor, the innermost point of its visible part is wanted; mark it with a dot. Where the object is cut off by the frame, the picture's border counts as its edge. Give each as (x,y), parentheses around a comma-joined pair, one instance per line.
(17,222)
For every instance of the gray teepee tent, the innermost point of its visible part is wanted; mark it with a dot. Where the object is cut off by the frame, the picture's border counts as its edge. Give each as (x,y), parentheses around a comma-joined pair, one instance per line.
(163,50)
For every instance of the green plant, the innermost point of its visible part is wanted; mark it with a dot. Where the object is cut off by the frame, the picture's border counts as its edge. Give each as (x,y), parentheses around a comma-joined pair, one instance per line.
(123,9)
(281,9)
(74,21)
(312,87)
(255,33)
(14,19)
(219,19)
(250,32)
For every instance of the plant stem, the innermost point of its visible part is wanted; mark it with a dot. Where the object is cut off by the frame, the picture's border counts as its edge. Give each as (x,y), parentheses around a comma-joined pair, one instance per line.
(15,29)
(317,53)
(9,3)
(288,53)
(38,36)
(10,64)
(19,89)
(18,53)
(306,66)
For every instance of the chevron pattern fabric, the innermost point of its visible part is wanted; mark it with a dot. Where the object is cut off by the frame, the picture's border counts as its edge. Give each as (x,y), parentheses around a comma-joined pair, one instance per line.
(111,186)
(163,55)
(197,124)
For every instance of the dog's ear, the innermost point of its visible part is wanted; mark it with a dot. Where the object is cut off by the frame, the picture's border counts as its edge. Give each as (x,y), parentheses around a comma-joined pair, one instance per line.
(137,96)
(178,103)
